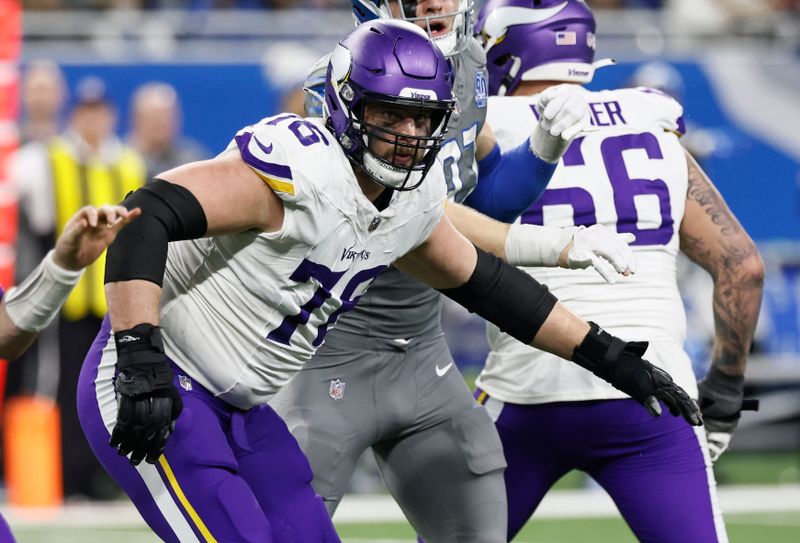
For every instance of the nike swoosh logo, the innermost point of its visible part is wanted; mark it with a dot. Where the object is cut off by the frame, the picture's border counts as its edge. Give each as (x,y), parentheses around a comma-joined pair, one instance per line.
(441,371)
(267,149)
(501,18)
(401,341)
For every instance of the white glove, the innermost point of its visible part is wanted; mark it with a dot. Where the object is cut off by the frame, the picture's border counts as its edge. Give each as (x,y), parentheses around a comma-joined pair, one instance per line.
(607,251)
(563,114)
(717,443)
(531,245)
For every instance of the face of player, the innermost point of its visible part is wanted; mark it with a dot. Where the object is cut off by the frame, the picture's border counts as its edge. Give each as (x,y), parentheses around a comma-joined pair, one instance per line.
(392,132)
(428,8)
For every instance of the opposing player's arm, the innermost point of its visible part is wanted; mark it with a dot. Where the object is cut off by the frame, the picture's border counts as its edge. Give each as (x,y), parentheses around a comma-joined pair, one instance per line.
(712,237)
(30,307)
(485,142)
(510,181)
(533,245)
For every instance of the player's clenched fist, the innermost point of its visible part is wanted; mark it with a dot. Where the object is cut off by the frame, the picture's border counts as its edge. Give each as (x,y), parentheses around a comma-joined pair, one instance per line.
(147,402)
(563,114)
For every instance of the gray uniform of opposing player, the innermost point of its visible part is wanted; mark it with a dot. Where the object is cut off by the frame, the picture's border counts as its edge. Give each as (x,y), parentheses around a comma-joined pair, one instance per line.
(385,379)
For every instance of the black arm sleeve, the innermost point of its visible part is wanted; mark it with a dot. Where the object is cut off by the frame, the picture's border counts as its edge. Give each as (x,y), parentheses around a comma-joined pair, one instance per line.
(169,213)
(505,296)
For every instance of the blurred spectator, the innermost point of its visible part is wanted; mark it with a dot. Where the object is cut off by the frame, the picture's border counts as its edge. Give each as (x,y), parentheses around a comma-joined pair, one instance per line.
(156,130)
(86,164)
(741,16)
(43,93)
(285,65)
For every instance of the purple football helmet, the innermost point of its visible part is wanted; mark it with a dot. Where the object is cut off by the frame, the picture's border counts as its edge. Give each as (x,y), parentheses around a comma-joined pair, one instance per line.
(536,40)
(388,64)
(450,43)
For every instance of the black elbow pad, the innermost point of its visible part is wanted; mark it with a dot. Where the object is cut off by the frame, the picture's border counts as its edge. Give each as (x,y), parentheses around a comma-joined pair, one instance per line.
(169,213)
(505,296)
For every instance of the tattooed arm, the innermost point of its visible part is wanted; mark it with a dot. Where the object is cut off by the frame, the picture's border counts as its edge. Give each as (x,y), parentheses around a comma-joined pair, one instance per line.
(713,238)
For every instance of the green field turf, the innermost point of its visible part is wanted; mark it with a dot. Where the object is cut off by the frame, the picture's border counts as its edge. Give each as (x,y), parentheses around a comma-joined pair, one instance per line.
(751,528)
(737,468)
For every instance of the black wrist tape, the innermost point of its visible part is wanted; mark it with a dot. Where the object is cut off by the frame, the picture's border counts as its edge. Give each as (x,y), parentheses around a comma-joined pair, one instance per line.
(141,344)
(596,348)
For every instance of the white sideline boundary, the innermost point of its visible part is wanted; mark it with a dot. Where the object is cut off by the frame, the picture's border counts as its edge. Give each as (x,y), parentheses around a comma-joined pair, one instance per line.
(382,508)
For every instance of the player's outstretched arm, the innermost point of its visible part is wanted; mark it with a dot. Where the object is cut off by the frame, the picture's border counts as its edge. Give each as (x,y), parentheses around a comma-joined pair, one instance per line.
(510,181)
(713,238)
(30,307)
(532,245)
(526,310)
(206,198)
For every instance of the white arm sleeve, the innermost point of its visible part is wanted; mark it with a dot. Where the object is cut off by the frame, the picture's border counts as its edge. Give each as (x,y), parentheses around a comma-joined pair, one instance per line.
(531,245)
(33,304)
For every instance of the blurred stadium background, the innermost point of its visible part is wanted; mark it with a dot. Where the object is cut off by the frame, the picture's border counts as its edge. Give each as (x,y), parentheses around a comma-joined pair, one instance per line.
(223,64)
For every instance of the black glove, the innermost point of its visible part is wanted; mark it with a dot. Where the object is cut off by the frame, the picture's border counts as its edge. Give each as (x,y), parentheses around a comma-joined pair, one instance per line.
(622,365)
(722,402)
(147,403)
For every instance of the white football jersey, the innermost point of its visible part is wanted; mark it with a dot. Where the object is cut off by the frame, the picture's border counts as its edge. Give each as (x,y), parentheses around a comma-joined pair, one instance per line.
(629,175)
(241,313)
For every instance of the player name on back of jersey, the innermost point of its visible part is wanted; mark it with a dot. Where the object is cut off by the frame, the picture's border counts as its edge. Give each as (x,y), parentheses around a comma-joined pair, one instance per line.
(606,113)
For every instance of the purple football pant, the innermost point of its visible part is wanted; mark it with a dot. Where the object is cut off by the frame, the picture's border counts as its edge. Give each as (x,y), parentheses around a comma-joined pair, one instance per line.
(5,532)
(226,475)
(656,470)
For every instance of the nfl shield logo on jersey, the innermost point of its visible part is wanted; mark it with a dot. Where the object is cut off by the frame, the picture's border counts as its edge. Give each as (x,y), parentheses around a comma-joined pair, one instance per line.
(336,390)
(185,382)
(481,89)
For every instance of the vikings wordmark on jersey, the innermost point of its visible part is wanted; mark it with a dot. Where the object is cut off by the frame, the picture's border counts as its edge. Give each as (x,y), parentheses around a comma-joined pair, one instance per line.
(221,322)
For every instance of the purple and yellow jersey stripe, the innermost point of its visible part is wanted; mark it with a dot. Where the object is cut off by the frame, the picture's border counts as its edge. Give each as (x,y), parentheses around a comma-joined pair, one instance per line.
(277,176)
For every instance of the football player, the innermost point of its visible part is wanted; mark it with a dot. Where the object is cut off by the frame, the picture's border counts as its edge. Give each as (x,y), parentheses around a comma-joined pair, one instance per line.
(387,365)
(631,175)
(276,238)
(30,307)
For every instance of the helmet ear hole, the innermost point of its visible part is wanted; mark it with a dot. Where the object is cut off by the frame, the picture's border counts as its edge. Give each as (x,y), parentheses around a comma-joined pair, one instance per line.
(501,60)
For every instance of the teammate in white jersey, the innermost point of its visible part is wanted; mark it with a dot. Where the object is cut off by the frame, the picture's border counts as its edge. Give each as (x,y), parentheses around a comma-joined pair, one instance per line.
(299,219)
(631,174)
(385,379)
(28,308)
